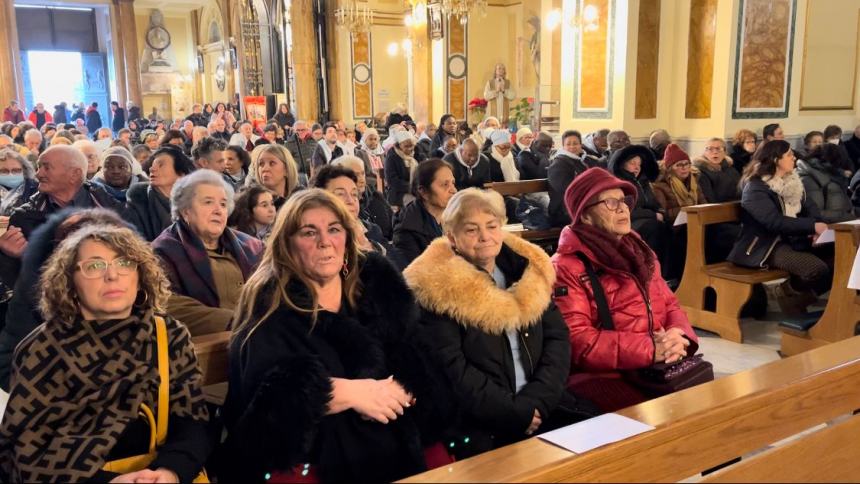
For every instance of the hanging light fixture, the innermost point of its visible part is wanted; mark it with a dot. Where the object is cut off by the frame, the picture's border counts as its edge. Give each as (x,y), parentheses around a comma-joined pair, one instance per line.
(355,18)
(463,9)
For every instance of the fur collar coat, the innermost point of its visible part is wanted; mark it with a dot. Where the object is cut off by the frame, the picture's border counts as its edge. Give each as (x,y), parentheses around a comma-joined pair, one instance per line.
(477,329)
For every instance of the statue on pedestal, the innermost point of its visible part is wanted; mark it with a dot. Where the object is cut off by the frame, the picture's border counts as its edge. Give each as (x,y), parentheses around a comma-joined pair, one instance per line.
(499,93)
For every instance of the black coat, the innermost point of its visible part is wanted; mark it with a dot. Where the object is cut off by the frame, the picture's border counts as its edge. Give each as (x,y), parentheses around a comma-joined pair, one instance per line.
(718,186)
(319,158)
(34,213)
(148,210)
(486,170)
(414,230)
(852,146)
(532,166)
(280,386)
(375,209)
(285,120)
(61,115)
(740,158)
(763,225)
(422,149)
(561,173)
(647,207)
(118,120)
(397,178)
(467,320)
(303,153)
(827,188)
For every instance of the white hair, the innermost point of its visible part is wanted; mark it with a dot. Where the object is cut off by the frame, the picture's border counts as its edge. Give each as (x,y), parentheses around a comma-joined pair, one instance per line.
(31,133)
(71,156)
(186,187)
(348,162)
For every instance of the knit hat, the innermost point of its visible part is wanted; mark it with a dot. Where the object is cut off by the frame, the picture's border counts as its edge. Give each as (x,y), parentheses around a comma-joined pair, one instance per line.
(524,131)
(500,137)
(587,186)
(402,136)
(674,154)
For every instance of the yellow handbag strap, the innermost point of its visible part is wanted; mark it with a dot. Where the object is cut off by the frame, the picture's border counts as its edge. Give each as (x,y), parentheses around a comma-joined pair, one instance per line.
(164,376)
(146,412)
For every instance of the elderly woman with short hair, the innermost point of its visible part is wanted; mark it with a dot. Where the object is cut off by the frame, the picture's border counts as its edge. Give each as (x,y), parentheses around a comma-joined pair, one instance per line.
(487,312)
(646,326)
(17,181)
(87,384)
(206,262)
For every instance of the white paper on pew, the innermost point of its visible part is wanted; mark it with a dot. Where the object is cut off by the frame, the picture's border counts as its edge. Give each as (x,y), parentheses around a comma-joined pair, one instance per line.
(681,219)
(595,432)
(826,237)
(854,279)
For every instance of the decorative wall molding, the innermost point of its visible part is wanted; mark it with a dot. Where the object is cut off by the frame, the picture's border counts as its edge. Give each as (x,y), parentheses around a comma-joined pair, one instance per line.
(457,70)
(361,59)
(593,74)
(700,58)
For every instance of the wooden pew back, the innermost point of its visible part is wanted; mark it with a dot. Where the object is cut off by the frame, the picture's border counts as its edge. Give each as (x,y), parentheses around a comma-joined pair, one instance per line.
(732,285)
(842,313)
(512,189)
(705,426)
(212,356)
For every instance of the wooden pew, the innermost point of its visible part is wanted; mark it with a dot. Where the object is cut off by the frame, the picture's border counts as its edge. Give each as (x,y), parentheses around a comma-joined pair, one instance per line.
(547,239)
(733,285)
(842,313)
(708,425)
(213,360)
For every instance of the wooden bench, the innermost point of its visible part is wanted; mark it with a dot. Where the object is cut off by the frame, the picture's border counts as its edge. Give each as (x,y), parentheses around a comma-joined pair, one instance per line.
(732,285)
(547,239)
(842,314)
(711,424)
(212,357)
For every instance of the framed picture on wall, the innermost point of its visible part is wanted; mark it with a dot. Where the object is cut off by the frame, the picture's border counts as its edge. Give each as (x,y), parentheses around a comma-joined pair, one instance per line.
(437,24)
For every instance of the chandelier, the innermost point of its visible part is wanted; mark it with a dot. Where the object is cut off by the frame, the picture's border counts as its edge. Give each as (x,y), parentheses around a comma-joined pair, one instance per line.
(354,18)
(462,9)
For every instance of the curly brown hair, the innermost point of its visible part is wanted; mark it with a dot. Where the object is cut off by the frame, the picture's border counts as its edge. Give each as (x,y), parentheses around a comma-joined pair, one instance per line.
(59,300)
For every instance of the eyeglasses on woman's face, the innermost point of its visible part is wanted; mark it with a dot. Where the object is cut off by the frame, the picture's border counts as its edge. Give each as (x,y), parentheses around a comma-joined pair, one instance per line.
(615,204)
(96,268)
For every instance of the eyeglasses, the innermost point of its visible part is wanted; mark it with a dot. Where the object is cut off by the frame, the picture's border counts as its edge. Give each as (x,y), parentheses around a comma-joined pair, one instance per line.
(614,204)
(714,148)
(96,268)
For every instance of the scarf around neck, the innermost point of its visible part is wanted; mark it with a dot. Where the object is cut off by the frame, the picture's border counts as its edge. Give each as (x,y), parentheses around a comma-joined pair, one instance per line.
(409,161)
(61,424)
(790,190)
(685,196)
(629,254)
(564,152)
(509,166)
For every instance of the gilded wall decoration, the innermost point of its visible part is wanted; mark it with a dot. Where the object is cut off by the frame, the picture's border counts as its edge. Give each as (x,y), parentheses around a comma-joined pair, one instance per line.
(765,48)
(594,59)
(362,75)
(457,69)
(647,59)
(700,58)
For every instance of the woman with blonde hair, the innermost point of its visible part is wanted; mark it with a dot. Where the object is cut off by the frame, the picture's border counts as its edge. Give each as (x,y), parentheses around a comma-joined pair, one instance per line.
(88,387)
(326,378)
(273,167)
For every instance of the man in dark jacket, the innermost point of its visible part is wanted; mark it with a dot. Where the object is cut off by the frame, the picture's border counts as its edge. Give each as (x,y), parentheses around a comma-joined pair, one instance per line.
(62,183)
(133,112)
(118,116)
(61,115)
(471,168)
(533,163)
(197,117)
(94,119)
(327,149)
(302,146)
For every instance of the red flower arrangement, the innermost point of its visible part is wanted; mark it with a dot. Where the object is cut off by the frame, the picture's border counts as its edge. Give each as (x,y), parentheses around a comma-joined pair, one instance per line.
(478,103)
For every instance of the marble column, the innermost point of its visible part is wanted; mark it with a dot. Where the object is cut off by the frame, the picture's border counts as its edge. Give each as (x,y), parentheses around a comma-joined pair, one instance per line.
(422,77)
(129,60)
(304,58)
(11,77)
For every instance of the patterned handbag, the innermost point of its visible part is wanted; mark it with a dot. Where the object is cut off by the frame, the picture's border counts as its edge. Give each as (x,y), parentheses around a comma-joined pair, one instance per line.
(157,425)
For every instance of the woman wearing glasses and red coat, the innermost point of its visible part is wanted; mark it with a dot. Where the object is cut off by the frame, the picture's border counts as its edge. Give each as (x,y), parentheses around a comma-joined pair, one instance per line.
(648,324)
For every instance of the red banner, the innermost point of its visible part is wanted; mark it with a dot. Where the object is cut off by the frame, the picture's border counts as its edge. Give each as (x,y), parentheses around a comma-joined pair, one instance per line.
(255,110)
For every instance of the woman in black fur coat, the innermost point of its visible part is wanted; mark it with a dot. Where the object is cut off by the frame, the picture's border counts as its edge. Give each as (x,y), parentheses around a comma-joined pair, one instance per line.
(327,380)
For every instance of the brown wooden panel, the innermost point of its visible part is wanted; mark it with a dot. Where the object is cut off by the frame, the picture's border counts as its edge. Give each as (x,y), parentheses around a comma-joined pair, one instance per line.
(647,59)
(764,54)
(360,48)
(362,100)
(362,92)
(700,58)
(595,55)
(828,455)
(696,428)
(457,88)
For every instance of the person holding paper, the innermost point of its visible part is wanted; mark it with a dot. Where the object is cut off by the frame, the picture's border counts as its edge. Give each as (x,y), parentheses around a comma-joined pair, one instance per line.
(676,188)
(620,313)
(487,314)
(779,224)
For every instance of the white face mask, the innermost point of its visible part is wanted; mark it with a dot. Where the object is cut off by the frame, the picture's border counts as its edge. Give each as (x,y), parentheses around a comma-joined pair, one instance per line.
(834,141)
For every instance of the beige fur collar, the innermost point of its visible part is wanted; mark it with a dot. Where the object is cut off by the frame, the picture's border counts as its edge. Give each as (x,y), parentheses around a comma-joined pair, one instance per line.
(448,284)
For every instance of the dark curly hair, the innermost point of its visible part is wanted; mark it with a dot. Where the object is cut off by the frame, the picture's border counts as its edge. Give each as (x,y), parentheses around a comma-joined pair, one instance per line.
(242,218)
(329,172)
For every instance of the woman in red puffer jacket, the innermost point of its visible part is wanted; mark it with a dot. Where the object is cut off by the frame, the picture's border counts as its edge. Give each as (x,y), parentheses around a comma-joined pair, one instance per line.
(649,325)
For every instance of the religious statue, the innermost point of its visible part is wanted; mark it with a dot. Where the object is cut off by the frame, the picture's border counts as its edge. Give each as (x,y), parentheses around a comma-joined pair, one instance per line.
(499,94)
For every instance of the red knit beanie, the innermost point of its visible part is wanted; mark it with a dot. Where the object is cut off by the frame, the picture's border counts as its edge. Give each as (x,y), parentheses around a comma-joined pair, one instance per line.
(674,154)
(589,185)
